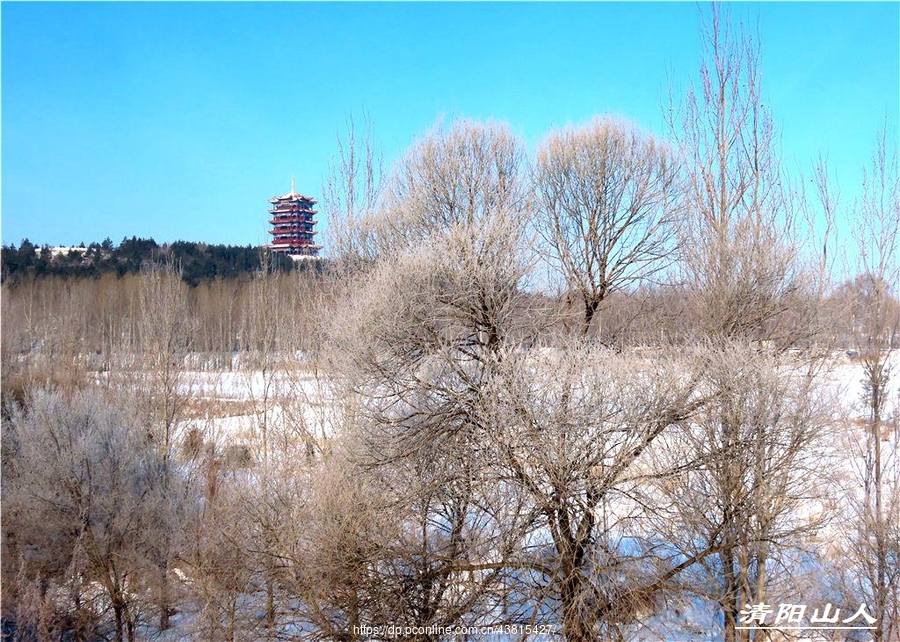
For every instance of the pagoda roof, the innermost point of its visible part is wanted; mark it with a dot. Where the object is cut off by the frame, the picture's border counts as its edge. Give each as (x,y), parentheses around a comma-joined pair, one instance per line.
(291,196)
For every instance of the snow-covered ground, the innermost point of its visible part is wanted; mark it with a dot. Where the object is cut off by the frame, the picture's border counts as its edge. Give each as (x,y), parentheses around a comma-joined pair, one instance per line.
(231,407)
(850,379)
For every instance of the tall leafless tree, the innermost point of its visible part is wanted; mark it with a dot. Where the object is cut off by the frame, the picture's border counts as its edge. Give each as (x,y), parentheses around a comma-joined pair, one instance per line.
(740,225)
(352,194)
(749,289)
(748,476)
(607,194)
(166,333)
(876,317)
(506,458)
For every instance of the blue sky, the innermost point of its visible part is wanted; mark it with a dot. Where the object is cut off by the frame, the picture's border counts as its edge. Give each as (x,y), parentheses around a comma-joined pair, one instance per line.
(180,120)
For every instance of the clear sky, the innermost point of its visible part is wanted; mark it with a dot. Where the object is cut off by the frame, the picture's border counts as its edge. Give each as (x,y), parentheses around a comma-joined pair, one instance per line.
(180,120)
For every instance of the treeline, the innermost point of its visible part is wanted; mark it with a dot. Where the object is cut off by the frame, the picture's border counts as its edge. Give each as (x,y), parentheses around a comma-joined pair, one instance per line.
(102,317)
(198,261)
(86,323)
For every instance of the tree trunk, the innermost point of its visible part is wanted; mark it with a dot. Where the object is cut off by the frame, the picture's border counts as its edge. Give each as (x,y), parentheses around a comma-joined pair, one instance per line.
(576,628)
(118,610)
(880,553)
(164,596)
(729,594)
(591,305)
(270,603)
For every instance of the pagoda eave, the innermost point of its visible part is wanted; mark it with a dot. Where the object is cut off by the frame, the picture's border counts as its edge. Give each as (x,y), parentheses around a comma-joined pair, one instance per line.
(292,199)
(290,217)
(293,210)
(278,248)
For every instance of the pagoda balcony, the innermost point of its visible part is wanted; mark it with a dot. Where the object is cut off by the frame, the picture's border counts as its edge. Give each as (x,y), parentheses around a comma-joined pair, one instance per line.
(296,230)
(287,246)
(297,218)
(292,210)
(287,239)
(301,225)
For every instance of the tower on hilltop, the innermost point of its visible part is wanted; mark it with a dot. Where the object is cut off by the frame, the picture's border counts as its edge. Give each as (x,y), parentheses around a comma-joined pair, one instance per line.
(293,224)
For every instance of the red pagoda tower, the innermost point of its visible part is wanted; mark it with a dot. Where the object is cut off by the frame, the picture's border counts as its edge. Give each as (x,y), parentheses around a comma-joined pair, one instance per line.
(293,222)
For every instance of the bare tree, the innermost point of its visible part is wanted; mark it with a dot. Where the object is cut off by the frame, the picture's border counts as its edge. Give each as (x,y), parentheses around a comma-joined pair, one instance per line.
(217,562)
(466,173)
(413,364)
(348,525)
(165,327)
(607,195)
(748,477)
(87,491)
(503,461)
(572,434)
(739,235)
(263,332)
(877,326)
(533,451)
(750,292)
(352,194)
(166,335)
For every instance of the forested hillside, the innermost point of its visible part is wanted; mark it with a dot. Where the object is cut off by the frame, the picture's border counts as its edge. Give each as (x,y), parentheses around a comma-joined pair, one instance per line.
(198,261)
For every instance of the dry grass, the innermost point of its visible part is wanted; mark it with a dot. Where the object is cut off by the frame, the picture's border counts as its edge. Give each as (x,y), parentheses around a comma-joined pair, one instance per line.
(217,408)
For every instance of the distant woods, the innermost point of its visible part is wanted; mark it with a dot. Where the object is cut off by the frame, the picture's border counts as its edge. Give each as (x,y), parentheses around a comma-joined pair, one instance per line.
(105,315)
(199,262)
